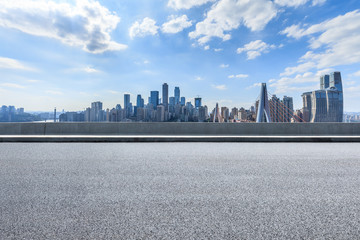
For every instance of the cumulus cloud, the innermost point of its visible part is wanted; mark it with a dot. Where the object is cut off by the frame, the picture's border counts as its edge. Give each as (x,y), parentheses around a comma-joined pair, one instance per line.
(10,63)
(333,42)
(254,85)
(186,4)
(86,24)
(356,74)
(238,76)
(226,15)
(255,48)
(176,24)
(297,3)
(307,81)
(145,28)
(219,87)
(224,65)
(12,85)
(207,47)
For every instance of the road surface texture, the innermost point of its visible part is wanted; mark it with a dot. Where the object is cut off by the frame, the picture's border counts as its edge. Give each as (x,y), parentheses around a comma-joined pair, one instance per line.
(179,190)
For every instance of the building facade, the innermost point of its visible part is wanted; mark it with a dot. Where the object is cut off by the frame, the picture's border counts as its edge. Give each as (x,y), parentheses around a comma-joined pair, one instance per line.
(326,104)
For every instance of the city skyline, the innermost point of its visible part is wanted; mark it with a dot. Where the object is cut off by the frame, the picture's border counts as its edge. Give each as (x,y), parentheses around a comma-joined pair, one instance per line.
(100,50)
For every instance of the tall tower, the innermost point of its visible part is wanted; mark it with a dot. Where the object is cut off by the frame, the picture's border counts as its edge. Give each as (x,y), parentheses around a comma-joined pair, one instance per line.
(217,114)
(165,95)
(197,102)
(263,110)
(154,98)
(127,105)
(177,95)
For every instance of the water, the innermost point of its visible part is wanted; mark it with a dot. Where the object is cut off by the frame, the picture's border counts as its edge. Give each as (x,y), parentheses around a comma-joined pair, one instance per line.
(179,190)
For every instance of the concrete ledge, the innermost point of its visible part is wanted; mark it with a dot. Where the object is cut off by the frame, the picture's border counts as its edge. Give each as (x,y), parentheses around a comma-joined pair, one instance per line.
(181,129)
(162,138)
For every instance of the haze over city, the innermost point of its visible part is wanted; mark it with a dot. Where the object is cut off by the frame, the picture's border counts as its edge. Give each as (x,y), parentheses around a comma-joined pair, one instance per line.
(67,54)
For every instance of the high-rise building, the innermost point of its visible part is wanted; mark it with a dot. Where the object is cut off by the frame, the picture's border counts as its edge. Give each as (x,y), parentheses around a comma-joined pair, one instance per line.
(165,95)
(96,113)
(182,101)
(288,108)
(127,106)
(139,101)
(275,109)
(154,98)
(234,113)
(197,102)
(160,113)
(216,114)
(225,114)
(172,101)
(325,105)
(324,82)
(335,81)
(177,95)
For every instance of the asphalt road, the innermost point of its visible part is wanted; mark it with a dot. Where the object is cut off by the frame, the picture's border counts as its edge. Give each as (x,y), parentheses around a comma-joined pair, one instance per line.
(179,190)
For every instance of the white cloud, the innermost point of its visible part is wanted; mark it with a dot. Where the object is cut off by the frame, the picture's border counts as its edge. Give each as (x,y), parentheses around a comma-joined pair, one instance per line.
(219,87)
(86,69)
(86,24)
(226,15)
(333,42)
(199,78)
(238,76)
(10,63)
(218,49)
(176,24)
(297,3)
(12,85)
(145,28)
(318,2)
(186,4)
(254,85)
(89,69)
(224,65)
(113,92)
(255,49)
(290,3)
(207,47)
(307,81)
(298,69)
(356,74)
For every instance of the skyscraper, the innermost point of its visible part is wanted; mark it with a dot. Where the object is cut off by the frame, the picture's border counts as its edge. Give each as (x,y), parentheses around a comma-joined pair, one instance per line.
(182,101)
(127,105)
(324,82)
(154,97)
(325,105)
(139,101)
(165,95)
(96,113)
(197,103)
(288,108)
(177,95)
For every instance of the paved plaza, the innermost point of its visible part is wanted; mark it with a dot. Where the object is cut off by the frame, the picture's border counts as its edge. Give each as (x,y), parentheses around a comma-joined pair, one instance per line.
(179,190)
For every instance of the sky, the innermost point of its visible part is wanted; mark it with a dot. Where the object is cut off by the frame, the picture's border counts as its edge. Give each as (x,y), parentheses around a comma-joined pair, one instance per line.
(69,53)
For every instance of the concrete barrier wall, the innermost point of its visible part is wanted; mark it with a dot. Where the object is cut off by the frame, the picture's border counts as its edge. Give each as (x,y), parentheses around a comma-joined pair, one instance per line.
(249,129)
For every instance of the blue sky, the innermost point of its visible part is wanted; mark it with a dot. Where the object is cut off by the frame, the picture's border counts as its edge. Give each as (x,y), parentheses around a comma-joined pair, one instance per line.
(67,54)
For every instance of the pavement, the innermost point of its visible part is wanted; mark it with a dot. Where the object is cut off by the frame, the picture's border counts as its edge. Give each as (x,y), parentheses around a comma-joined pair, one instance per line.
(179,191)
